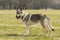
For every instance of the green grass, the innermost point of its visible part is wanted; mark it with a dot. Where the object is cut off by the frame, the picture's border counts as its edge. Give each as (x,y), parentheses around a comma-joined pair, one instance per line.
(13,29)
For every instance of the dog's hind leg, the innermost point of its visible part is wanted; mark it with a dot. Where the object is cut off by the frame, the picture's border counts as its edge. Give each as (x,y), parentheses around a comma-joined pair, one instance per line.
(48,26)
(44,26)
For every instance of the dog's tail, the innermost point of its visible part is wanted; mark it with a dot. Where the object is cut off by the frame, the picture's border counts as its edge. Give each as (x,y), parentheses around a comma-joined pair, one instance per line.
(48,23)
(52,29)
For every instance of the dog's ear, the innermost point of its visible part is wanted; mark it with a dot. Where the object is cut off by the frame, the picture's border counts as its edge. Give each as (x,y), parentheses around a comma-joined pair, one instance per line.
(21,9)
(17,8)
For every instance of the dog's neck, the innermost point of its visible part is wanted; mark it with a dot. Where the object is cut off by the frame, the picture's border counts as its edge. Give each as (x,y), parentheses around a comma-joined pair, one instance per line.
(23,15)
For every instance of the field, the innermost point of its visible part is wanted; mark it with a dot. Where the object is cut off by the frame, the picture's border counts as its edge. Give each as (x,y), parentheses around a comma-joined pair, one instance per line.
(13,29)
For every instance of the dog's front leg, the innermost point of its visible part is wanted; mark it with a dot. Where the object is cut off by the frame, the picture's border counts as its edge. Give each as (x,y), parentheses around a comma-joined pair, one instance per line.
(27,29)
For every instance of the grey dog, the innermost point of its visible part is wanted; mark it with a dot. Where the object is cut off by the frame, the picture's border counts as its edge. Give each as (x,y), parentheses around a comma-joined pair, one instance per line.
(33,19)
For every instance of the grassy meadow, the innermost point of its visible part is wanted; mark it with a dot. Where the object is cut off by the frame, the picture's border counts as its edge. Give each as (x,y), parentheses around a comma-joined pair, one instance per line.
(13,29)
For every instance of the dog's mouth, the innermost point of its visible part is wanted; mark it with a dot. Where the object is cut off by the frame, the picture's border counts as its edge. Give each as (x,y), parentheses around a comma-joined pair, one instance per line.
(17,17)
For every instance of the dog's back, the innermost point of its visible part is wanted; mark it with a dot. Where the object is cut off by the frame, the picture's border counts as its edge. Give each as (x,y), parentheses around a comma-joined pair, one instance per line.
(36,17)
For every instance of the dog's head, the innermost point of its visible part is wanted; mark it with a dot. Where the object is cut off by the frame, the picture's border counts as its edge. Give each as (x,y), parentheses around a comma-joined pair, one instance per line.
(18,13)
(19,10)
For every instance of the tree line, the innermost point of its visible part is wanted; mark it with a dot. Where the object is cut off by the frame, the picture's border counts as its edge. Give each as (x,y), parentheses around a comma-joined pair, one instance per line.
(30,4)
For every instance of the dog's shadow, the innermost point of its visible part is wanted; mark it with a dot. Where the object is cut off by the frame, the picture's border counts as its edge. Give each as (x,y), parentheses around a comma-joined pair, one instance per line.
(19,35)
(12,35)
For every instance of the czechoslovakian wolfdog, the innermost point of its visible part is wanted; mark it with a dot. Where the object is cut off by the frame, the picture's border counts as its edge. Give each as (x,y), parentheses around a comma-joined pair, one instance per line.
(30,19)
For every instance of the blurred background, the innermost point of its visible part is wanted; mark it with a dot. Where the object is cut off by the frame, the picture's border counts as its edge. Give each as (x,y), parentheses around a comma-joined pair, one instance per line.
(30,4)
